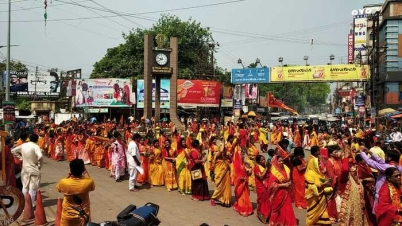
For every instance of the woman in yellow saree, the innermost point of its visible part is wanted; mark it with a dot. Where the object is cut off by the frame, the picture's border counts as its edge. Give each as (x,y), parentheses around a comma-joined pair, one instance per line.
(169,168)
(252,152)
(155,167)
(183,173)
(221,177)
(317,188)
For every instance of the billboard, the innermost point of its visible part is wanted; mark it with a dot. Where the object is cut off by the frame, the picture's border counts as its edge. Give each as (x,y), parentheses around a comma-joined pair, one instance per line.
(39,83)
(360,39)
(351,48)
(76,74)
(8,112)
(250,75)
(251,91)
(107,92)
(202,93)
(227,96)
(71,87)
(320,73)
(18,81)
(165,93)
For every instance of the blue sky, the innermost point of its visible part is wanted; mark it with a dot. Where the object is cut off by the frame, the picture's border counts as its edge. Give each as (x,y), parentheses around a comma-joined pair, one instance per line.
(246,29)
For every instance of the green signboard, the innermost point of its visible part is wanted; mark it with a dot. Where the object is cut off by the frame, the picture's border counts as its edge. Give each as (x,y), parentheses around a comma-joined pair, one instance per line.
(8,112)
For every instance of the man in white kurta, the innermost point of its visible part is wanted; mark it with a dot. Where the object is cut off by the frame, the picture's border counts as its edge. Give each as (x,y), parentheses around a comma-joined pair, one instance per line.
(32,162)
(133,163)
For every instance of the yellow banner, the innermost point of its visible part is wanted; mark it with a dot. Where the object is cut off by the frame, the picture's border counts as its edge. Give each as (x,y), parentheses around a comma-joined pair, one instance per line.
(342,72)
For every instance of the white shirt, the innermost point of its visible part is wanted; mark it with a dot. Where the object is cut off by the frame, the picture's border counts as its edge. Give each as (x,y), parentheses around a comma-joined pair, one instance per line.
(132,150)
(396,136)
(31,156)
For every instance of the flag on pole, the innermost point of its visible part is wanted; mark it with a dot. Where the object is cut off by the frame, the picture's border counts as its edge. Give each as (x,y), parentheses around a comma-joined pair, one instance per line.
(45,14)
(311,43)
(273,102)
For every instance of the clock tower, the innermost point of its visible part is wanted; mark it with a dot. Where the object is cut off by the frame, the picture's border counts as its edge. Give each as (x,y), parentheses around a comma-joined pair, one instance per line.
(160,61)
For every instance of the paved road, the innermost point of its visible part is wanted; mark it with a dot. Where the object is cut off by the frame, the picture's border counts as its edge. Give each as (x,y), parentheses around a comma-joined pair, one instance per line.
(109,198)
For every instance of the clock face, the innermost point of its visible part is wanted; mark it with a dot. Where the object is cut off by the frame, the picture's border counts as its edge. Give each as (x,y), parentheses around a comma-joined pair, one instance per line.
(161,59)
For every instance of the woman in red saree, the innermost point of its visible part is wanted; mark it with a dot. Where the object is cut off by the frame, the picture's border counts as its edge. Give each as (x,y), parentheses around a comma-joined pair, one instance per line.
(241,190)
(367,179)
(297,138)
(144,159)
(298,170)
(279,194)
(261,173)
(199,187)
(388,209)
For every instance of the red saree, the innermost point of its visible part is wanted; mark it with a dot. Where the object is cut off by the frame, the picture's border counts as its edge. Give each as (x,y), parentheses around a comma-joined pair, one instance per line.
(144,159)
(241,190)
(299,186)
(387,205)
(261,188)
(281,201)
(364,172)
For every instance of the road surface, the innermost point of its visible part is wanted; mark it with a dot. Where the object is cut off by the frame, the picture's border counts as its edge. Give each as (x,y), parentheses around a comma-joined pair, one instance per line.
(110,197)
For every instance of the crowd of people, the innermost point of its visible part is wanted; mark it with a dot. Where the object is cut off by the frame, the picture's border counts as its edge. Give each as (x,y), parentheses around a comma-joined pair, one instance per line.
(339,183)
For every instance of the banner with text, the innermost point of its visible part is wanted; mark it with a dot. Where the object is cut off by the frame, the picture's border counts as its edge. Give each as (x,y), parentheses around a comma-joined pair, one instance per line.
(108,92)
(320,73)
(8,112)
(165,93)
(250,75)
(202,93)
(227,96)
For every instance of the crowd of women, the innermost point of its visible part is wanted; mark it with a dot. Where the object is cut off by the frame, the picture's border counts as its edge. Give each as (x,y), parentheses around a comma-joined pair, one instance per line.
(340,182)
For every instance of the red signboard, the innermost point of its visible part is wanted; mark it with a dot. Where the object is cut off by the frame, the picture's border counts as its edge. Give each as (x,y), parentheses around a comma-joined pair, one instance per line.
(350,48)
(198,93)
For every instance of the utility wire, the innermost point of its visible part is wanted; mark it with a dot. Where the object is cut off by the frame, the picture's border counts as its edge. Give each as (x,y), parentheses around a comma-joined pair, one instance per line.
(119,14)
(39,7)
(128,14)
(77,26)
(97,22)
(1,3)
(91,10)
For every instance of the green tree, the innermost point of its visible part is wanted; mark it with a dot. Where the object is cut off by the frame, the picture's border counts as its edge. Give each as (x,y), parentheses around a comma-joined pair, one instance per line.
(14,66)
(23,104)
(195,51)
(298,95)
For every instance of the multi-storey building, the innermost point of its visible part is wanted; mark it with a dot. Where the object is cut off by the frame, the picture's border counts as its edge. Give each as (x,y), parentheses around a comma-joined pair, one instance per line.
(387,58)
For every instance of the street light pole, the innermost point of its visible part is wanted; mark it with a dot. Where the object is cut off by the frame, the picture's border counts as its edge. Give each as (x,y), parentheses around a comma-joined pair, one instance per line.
(7,80)
(331,58)
(305,58)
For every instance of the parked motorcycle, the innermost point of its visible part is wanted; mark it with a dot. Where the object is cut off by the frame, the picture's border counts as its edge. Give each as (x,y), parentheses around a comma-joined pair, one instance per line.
(131,216)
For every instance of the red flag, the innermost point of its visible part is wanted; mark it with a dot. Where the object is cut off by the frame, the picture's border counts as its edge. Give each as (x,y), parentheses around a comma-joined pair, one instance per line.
(273,102)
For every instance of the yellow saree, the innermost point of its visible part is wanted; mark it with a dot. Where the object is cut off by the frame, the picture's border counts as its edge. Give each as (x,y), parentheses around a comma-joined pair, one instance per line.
(315,196)
(183,173)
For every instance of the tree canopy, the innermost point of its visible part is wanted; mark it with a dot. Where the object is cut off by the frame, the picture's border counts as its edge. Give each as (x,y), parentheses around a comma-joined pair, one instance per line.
(195,47)
(14,66)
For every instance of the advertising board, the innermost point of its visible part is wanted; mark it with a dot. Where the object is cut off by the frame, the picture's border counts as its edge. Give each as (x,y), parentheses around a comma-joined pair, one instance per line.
(107,92)
(320,73)
(250,75)
(165,93)
(203,93)
(227,96)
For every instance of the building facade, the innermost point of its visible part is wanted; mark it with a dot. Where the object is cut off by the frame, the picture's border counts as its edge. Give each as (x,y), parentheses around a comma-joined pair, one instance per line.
(389,57)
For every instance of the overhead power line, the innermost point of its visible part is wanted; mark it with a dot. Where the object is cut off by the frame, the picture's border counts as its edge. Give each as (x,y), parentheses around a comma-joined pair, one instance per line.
(91,10)
(116,13)
(40,7)
(129,14)
(275,38)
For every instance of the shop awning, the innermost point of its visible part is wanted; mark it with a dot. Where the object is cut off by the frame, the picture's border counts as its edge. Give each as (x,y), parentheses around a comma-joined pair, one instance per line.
(396,116)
